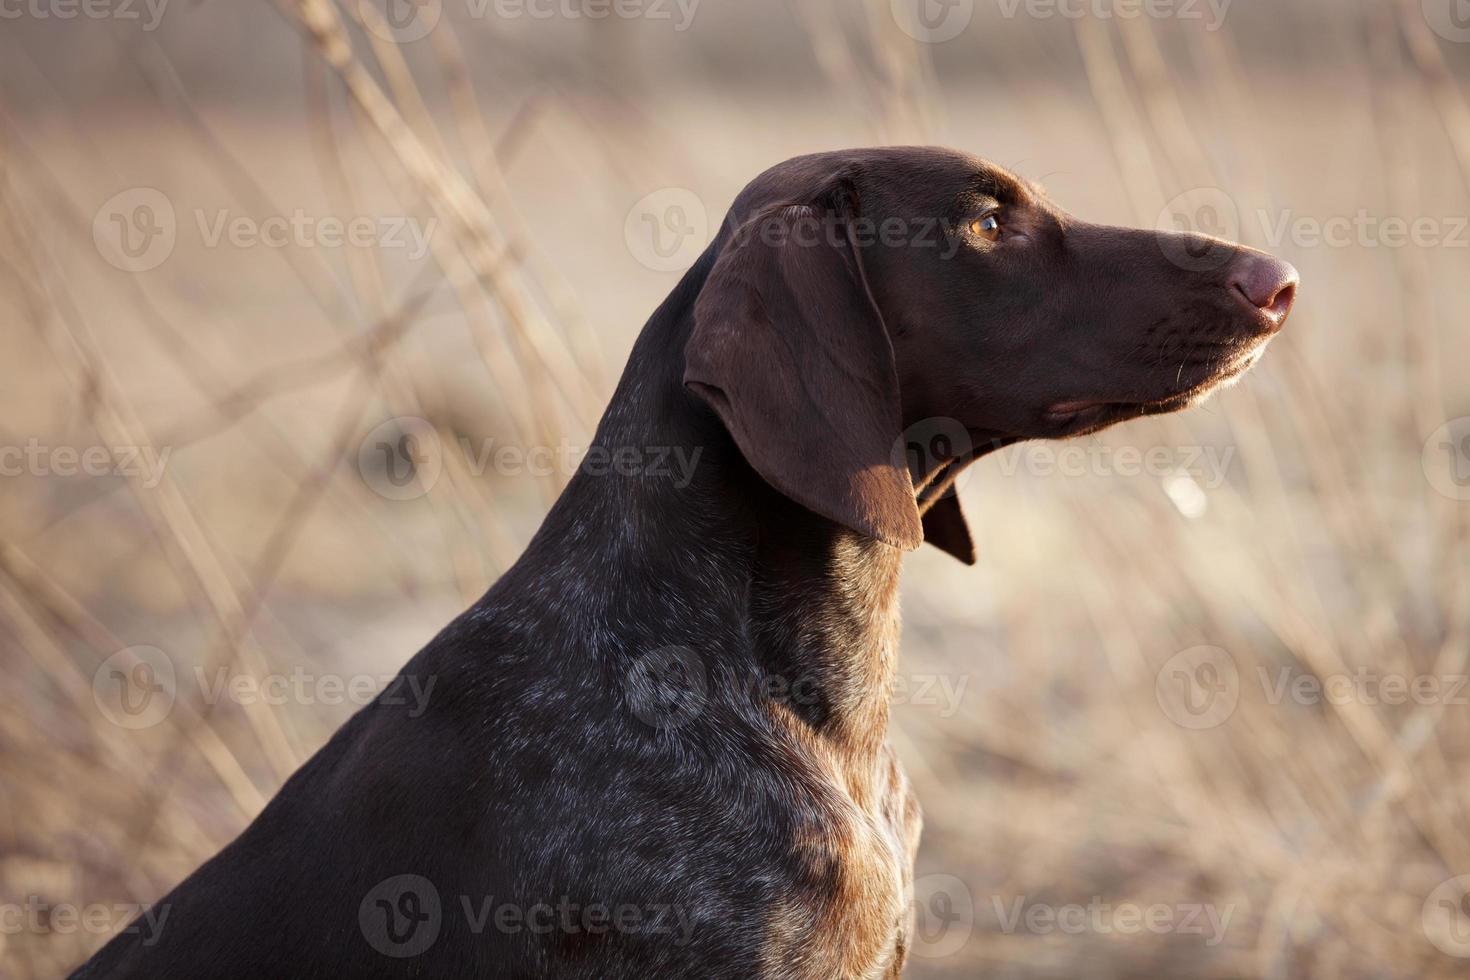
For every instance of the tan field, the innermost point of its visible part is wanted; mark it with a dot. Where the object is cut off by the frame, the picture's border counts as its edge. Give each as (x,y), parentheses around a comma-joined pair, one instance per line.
(1200,711)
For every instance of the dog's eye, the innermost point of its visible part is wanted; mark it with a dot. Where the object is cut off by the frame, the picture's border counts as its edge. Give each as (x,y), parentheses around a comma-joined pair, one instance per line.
(986,227)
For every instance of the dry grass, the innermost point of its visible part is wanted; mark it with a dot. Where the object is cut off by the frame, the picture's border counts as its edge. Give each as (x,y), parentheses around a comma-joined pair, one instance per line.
(1056,773)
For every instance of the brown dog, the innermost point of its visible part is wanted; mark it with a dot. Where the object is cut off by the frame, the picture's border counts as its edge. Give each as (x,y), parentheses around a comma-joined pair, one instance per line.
(656,747)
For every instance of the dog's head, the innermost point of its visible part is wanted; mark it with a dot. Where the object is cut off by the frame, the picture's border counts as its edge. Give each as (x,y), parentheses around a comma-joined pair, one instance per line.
(858,294)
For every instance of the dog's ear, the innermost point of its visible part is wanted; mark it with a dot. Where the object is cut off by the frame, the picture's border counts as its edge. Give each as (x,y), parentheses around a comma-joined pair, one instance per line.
(791,352)
(938,452)
(945,528)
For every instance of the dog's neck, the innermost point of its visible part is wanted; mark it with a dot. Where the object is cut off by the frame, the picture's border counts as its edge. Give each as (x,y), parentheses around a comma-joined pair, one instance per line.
(774,598)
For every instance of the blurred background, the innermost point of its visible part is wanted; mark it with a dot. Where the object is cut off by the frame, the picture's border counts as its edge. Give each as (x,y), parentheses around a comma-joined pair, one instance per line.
(308,306)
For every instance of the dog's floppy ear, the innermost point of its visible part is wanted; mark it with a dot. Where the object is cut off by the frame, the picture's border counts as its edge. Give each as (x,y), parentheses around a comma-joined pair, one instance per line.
(945,528)
(791,352)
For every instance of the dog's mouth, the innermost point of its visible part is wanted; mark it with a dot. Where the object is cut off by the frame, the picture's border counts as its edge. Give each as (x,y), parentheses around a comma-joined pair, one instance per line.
(1081,416)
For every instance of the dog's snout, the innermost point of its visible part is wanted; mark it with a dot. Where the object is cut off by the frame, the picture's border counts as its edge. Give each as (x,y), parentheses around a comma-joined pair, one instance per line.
(1268,283)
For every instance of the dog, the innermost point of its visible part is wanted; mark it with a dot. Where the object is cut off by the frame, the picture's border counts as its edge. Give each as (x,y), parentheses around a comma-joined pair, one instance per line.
(657,746)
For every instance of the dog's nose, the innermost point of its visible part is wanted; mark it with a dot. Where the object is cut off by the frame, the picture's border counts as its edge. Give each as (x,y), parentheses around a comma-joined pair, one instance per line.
(1268,283)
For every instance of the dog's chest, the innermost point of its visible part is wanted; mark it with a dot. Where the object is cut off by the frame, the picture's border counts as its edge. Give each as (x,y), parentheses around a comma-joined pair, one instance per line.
(851,916)
(859,819)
